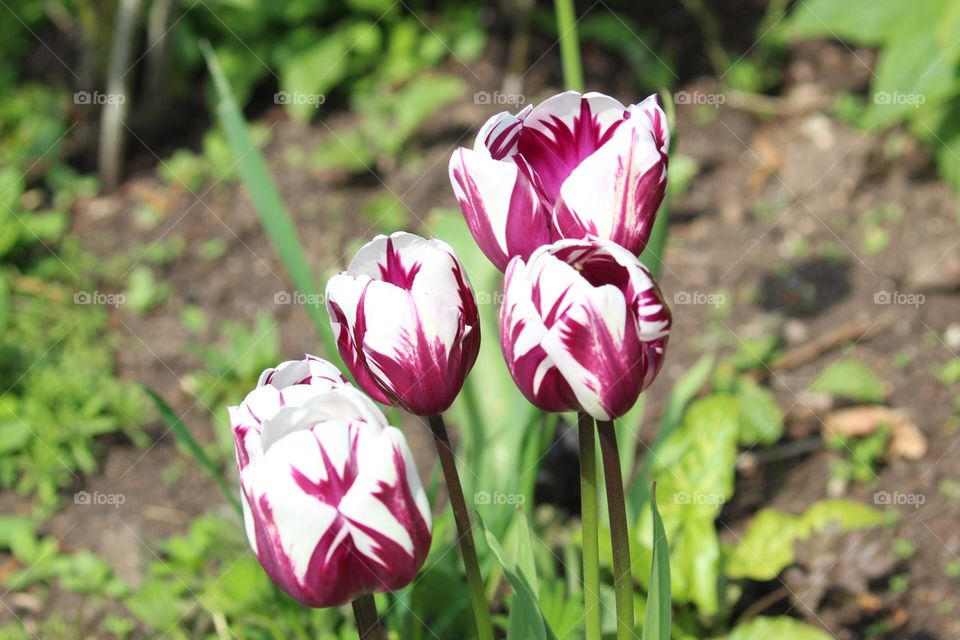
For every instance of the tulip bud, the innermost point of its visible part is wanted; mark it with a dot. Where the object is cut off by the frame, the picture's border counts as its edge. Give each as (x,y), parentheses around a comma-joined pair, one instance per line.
(571,167)
(406,322)
(583,327)
(332,503)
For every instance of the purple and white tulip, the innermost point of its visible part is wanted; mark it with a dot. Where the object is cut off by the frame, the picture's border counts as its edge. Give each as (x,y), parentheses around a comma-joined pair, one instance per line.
(583,327)
(571,167)
(406,322)
(332,503)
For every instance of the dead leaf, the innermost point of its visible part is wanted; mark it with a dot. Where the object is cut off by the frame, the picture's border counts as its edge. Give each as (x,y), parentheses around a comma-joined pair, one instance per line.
(907,441)
(857,422)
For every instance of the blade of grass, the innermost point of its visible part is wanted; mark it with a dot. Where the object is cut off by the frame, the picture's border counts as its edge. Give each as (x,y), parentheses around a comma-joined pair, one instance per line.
(185,438)
(273,213)
(658,614)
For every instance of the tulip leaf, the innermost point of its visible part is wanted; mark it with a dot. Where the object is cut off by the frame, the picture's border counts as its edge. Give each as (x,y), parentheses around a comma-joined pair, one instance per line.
(658,613)
(186,439)
(270,207)
(761,418)
(526,621)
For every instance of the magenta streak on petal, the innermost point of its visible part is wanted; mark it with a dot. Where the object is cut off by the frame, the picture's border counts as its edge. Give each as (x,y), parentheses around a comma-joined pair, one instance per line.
(554,154)
(394,271)
(639,196)
(470,345)
(554,312)
(619,366)
(425,377)
(475,212)
(348,340)
(239,436)
(503,143)
(553,394)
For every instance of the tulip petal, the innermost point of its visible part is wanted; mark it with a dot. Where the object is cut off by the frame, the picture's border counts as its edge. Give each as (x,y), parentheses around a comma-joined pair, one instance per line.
(497,137)
(344,293)
(615,193)
(501,206)
(560,132)
(522,330)
(651,114)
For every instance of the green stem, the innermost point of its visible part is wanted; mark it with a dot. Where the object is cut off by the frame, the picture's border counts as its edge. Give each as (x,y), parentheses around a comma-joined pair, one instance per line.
(588,522)
(569,45)
(368,623)
(464,527)
(619,534)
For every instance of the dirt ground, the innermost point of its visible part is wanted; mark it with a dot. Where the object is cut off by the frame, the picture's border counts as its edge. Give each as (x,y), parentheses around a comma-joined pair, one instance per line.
(778,205)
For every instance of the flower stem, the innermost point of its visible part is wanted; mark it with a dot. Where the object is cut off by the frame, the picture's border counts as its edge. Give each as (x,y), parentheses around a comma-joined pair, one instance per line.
(619,534)
(464,528)
(569,45)
(368,623)
(588,523)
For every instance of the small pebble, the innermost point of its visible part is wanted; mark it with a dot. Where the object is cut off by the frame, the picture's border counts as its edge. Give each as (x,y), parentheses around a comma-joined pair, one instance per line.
(952,336)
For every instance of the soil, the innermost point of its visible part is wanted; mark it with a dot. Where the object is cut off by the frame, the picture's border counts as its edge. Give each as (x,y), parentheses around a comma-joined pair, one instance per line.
(774,222)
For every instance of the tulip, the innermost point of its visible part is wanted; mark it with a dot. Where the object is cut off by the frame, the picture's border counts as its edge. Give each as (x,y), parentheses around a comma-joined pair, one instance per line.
(583,327)
(332,503)
(571,167)
(406,322)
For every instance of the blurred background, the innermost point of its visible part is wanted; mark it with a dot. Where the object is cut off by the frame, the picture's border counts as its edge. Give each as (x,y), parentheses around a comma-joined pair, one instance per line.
(813,256)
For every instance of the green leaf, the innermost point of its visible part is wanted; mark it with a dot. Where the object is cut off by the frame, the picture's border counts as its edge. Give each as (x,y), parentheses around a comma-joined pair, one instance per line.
(864,22)
(851,380)
(761,418)
(270,207)
(185,438)
(657,617)
(526,622)
(782,628)
(307,75)
(767,547)
(694,473)
(684,391)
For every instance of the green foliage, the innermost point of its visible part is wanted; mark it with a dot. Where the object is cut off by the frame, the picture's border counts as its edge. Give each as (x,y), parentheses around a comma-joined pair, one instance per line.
(915,81)
(851,380)
(782,628)
(767,547)
(656,619)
